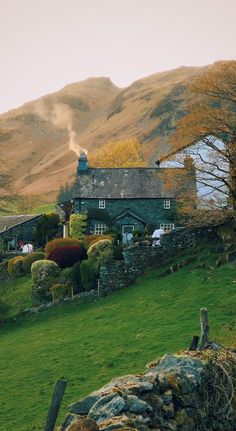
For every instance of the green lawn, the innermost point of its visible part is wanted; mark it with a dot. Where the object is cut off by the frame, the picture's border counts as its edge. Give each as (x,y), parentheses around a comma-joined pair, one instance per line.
(90,343)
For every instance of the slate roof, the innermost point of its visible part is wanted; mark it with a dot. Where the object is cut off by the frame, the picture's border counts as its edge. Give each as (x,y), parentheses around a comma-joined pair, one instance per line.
(117,183)
(8,222)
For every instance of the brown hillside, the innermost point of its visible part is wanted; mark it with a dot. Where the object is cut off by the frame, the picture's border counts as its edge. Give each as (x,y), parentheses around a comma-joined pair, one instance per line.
(34,139)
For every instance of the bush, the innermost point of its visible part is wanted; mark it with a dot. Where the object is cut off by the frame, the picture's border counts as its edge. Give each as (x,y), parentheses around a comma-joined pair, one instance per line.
(65,277)
(67,255)
(30,258)
(15,266)
(46,228)
(137,233)
(88,275)
(61,242)
(76,278)
(92,239)
(78,224)
(114,232)
(45,274)
(100,253)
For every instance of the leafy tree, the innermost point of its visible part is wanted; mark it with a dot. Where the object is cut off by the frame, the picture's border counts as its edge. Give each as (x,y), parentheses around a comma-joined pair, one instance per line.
(123,153)
(46,228)
(78,224)
(209,132)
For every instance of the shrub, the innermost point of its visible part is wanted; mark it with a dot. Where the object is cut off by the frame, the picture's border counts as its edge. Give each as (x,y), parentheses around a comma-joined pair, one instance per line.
(47,227)
(137,233)
(100,253)
(76,278)
(67,255)
(115,233)
(44,274)
(92,239)
(30,258)
(65,277)
(88,275)
(78,224)
(61,242)
(15,266)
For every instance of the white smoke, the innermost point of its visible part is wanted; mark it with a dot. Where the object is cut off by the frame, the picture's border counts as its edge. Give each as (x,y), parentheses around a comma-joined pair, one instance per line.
(62,117)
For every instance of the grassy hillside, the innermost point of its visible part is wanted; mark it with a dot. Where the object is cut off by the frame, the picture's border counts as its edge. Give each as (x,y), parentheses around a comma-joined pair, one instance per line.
(10,207)
(90,343)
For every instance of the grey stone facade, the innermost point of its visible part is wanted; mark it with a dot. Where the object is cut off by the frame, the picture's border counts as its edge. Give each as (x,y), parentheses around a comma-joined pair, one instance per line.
(131,197)
(137,212)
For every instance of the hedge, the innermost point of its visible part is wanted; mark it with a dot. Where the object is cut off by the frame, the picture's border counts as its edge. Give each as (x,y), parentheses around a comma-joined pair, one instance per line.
(61,242)
(67,255)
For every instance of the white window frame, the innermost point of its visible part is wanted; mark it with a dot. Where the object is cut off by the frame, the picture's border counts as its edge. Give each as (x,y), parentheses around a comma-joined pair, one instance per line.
(167,226)
(100,228)
(166,204)
(102,204)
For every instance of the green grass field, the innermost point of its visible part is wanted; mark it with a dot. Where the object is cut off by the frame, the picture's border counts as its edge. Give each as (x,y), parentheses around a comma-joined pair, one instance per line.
(90,343)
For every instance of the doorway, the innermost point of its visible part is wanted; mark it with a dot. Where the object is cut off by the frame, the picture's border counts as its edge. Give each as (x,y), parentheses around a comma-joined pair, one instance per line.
(126,228)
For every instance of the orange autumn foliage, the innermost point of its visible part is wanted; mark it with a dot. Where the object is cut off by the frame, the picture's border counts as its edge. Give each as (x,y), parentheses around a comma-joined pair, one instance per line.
(124,153)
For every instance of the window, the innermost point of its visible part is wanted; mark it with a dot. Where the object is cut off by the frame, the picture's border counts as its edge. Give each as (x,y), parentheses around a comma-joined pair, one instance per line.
(102,204)
(166,204)
(167,226)
(100,229)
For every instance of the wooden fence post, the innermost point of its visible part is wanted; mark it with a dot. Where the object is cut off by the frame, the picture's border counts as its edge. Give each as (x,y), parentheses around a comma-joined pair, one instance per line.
(194,343)
(54,408)
(204,327)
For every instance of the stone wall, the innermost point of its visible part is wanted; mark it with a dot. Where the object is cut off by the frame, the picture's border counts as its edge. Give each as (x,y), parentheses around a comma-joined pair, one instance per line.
(176,393)
(139,258)
(118,274)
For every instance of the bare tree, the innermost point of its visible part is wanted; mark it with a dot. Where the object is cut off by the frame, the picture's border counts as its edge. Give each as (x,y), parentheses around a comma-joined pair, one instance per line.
(208,133)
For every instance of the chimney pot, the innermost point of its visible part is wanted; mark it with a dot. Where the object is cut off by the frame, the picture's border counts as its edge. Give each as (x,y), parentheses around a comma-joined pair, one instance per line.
(82,163)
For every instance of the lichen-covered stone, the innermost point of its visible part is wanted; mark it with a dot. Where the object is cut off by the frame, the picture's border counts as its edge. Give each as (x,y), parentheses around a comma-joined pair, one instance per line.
(116,423)
(84,405)
(84,425)
(107,407)
(135,405)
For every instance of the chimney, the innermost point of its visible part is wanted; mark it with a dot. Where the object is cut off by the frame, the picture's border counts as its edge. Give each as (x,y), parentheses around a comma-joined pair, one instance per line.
(82,164)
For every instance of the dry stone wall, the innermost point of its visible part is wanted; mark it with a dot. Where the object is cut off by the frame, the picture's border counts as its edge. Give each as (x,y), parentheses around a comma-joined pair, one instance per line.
(137,259)
(173,394)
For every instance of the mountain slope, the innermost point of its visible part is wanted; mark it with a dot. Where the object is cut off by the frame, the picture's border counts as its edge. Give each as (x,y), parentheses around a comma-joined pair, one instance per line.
(37,139)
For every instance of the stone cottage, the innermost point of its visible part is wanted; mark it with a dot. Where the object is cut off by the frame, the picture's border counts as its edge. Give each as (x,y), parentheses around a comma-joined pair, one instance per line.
(130,198)
(17,228)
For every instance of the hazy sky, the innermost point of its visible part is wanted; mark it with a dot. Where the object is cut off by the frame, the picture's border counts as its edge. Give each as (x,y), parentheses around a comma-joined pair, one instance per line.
(46,44)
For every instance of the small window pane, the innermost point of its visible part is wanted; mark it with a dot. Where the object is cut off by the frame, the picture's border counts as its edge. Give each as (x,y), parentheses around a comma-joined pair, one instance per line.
(99,229)
(166,204)
(102,204)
